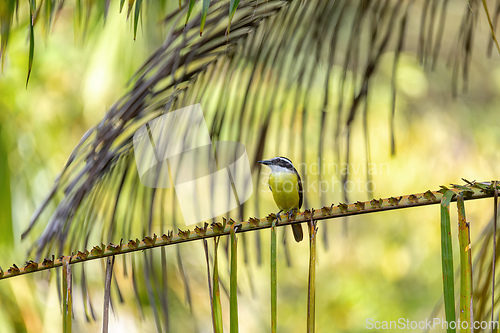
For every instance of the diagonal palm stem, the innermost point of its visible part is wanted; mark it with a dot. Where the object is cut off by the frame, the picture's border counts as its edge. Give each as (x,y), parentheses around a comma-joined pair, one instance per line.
(475,191)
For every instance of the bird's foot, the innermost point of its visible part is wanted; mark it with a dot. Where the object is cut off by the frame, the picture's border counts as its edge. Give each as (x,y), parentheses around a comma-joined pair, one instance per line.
(278,215)
(291,214)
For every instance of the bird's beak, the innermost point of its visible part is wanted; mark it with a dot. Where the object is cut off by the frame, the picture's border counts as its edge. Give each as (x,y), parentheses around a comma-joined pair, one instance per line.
(266,162)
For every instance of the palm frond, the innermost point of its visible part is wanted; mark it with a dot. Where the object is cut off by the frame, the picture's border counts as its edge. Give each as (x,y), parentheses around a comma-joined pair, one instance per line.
(267,43)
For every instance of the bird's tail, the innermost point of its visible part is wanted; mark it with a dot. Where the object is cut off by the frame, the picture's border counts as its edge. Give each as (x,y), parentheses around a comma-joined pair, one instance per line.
(297,232)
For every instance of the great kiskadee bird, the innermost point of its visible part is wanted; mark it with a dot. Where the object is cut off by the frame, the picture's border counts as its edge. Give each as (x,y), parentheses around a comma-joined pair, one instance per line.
(286,186)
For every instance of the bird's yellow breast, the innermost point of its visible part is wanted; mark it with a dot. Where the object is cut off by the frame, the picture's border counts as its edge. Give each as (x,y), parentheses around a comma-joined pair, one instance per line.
(285,189)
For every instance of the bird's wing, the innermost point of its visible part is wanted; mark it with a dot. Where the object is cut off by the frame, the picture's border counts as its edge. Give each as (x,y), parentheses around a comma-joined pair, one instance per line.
(301,194)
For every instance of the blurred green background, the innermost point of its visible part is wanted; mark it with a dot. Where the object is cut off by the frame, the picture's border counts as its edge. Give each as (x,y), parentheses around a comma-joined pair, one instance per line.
(385,266)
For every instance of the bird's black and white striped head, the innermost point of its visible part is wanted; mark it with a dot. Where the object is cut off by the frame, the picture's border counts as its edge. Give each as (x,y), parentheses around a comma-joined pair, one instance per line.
(279,164)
